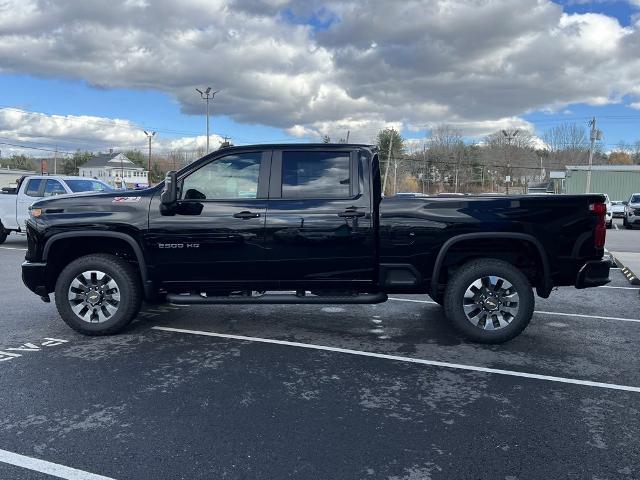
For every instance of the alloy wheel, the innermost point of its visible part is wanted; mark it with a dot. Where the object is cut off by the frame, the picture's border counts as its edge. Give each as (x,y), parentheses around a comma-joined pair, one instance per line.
(490,303)
(94,296)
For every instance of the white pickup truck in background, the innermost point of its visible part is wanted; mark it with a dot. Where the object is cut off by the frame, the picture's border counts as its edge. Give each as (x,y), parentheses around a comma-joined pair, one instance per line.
(14,203)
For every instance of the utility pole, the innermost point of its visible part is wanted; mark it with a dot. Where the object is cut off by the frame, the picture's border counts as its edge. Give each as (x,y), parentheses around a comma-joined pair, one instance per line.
(348,133)
(55,162)
(395,176)
(509,135)
(425,169)
(206,95)
(149,137)
(595,134)
(386,172)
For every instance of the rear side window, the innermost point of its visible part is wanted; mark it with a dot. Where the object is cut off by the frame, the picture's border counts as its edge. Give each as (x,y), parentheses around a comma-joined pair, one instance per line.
(33,187)
(316,175)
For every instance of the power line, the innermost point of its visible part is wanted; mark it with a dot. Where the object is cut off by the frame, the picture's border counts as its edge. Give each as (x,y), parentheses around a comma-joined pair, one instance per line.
(35,148)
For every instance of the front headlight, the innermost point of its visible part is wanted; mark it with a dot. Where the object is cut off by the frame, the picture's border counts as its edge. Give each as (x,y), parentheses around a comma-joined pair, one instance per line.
(35,212)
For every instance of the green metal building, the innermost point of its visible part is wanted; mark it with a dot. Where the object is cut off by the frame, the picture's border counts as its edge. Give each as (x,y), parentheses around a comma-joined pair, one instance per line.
(618,181)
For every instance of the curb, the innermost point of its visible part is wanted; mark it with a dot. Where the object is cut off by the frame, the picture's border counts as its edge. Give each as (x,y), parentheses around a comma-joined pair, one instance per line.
(631,276)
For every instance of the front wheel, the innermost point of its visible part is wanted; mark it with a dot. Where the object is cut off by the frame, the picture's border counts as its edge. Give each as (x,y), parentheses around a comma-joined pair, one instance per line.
(98,294)
(626,223)
(489,301)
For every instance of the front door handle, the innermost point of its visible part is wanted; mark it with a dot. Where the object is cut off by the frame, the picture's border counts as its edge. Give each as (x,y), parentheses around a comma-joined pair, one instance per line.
(351,214)
(245,215)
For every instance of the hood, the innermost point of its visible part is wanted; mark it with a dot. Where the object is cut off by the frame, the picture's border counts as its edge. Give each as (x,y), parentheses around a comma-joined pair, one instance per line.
(87,198)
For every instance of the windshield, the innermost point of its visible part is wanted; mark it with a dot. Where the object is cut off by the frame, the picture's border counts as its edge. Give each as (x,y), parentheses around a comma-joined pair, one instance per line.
(635,199)
(77,186)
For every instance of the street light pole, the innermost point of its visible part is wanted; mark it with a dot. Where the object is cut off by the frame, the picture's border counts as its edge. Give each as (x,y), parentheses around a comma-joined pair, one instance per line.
(206,95)
(509,135)
(149,136)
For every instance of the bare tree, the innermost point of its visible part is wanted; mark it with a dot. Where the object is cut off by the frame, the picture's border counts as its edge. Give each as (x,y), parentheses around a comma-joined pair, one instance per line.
(568,144)
(512,156)
(445,154)
(636,152)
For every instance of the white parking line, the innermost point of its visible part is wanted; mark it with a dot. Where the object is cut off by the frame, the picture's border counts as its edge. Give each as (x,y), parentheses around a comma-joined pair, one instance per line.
(14,248)
(598,317)
(42,466)
(621,288)
(420,361)
(615,225)
(430,302)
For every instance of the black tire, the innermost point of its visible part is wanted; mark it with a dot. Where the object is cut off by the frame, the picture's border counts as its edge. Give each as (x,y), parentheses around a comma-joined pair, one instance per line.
(610,224)
(129,289)
(462,280)
(626,224)
(3,234)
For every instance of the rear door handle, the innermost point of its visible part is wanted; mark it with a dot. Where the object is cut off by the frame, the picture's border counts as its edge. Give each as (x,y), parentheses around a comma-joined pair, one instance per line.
(245,215)
(351,214)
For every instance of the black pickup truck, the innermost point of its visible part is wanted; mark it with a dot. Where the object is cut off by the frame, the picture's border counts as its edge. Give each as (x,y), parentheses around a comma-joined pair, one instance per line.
(307,224)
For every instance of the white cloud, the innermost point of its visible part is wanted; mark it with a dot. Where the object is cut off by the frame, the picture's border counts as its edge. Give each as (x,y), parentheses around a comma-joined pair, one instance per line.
(475,64)
(66,133)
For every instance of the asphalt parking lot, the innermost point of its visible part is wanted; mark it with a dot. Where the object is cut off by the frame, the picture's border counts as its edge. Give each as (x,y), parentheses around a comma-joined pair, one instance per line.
(335,392)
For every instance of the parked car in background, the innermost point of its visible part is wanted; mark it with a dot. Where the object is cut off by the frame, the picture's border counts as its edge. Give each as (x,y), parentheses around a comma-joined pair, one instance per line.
(632,211)
(15,202)
(617,208)
(609,214)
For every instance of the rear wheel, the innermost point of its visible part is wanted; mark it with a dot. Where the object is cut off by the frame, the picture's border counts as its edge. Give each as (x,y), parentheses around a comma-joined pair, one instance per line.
(489,301)
(98,294)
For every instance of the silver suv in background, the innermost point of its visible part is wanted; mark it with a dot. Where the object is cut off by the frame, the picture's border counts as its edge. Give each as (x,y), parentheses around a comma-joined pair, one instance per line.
(609,214)
(632,211)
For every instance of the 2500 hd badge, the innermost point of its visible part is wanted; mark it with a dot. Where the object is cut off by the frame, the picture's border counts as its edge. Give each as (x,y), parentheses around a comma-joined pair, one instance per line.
(178,245)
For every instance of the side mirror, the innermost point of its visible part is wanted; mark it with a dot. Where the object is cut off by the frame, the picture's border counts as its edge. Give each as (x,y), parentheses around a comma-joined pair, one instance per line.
(169,195)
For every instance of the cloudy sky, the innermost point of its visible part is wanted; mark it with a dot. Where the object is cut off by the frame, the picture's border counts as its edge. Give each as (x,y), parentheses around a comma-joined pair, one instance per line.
(92,74)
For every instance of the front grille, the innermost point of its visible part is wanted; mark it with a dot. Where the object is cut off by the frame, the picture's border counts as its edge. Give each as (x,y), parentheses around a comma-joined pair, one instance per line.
(636,211)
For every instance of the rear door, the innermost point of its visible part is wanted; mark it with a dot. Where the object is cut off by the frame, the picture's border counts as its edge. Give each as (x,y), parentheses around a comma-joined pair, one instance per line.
(319,229)
(216,237)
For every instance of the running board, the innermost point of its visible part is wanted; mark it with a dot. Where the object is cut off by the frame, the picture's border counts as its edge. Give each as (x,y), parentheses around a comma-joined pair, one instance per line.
(275,299)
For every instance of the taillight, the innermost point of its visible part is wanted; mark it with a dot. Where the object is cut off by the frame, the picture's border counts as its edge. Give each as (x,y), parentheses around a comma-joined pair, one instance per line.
(600,232)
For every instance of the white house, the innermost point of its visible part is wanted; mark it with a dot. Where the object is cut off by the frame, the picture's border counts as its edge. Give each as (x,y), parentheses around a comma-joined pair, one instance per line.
(114,168)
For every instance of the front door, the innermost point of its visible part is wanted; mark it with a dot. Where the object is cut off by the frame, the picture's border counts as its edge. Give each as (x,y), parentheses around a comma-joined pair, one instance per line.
(319,228)
(216,237)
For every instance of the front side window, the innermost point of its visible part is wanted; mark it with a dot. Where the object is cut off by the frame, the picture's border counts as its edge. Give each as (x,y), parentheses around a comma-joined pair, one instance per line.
(315,175)
(230,177)
(87,186)
(33,187)
(53,187)
(635,199)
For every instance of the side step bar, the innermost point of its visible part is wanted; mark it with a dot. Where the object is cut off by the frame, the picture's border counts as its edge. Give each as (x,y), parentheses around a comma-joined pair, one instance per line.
(275,299)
